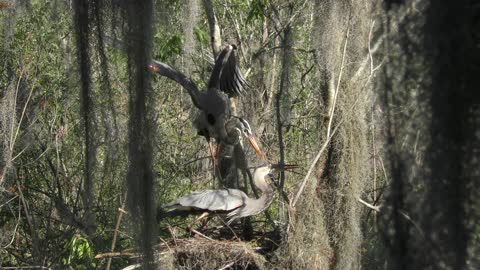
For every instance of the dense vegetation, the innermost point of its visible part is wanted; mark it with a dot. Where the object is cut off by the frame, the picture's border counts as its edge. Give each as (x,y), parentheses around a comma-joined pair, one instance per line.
(374,100)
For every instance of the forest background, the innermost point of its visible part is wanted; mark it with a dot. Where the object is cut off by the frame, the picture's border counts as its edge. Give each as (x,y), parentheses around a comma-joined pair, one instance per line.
(376,101)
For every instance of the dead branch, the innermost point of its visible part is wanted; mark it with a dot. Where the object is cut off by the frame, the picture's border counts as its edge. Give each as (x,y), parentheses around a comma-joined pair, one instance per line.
(111,255)
(373,207)
(117,226)
(16,226)
(215,37)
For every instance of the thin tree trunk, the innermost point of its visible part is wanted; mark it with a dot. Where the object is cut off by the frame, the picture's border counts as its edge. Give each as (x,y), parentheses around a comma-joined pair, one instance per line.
(140,178)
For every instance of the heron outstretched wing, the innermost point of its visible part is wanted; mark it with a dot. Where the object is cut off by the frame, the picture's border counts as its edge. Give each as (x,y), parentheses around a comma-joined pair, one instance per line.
(226,74)
(211,200)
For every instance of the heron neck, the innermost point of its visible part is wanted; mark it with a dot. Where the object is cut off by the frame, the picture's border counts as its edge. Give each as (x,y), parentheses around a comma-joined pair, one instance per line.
(263,202)
(262,184)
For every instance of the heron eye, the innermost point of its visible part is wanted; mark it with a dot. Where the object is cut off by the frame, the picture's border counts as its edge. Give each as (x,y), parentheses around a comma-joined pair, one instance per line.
(210,119)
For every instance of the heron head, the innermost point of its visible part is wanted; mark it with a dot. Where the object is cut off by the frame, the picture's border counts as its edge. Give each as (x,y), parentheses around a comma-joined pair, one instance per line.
(154,67)
(244,128)
(259,176)
(270,169)
(281,167)
(262,171)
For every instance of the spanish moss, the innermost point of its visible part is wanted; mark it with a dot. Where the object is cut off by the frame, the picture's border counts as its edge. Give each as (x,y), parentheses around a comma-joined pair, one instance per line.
(138,33)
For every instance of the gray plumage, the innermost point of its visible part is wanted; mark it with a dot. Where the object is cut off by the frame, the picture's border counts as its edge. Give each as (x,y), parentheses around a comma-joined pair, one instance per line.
(232,202)
(226,74)
(214,113)
(211,200)
(226,80)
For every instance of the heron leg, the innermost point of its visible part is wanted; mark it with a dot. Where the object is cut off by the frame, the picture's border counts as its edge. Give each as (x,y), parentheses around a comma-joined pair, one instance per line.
(204,223)
(196,220)
(217,153)
(197,233)
(212,153)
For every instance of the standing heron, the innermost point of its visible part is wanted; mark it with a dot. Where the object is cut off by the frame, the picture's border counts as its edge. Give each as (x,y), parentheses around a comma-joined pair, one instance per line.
(225,81)
(233,203)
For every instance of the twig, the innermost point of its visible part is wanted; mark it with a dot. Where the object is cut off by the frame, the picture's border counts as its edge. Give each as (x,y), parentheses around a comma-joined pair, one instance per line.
(370,54)
(373,207)
(30,221)
(278,31)
(172,233)
(374,149)
(215,38)
(14,135)
(383,169)
(407,217)
(166,244)
(5,203)
(26,267)
(16,226)
(226,266)
(14,109)
(21,118)
(201,234)
(230,228)
(111,255)
(194,160)
(369,58)
(284,88)
(117,226)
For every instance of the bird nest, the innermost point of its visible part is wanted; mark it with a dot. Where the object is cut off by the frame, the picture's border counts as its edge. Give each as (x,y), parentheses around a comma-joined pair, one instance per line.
(195,253)
(215,254)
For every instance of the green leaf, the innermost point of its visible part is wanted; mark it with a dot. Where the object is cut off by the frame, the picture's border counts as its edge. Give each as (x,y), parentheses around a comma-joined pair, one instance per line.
(256,11)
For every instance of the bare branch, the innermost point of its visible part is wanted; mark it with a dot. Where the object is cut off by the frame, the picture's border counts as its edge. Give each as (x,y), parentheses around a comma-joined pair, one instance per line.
(111,255)
(16,226)
(373,207)
(215,37)
(117,226)
(5,203)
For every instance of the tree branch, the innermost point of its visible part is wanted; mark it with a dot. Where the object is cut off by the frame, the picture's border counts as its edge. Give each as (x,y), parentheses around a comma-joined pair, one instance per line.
(215,37)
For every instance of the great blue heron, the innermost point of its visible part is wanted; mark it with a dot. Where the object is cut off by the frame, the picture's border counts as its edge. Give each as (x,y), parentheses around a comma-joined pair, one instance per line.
(225,81)
(233,203)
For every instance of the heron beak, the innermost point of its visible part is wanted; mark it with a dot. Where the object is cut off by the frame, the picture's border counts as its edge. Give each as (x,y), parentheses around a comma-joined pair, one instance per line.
(255,146)
(273,179)
(284,167)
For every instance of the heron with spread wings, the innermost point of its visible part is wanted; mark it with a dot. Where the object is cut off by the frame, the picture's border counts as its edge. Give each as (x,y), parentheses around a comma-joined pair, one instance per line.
(215,119)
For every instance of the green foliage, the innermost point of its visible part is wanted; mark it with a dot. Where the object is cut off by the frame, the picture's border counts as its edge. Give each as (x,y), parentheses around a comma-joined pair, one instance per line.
(257,11)
(51,167)
(168,45)
(80,254)
(201,35)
